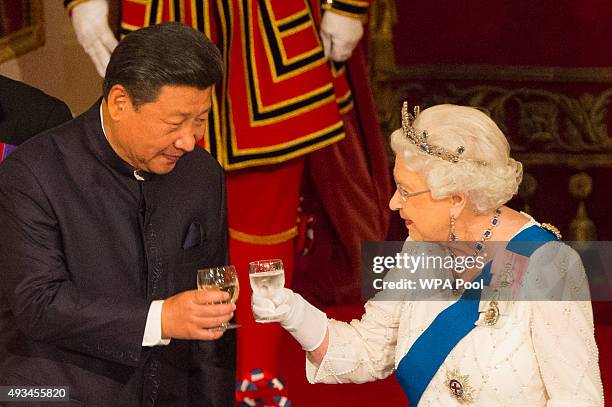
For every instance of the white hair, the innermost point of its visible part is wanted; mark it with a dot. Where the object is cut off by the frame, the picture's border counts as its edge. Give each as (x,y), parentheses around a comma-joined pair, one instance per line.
(451,126)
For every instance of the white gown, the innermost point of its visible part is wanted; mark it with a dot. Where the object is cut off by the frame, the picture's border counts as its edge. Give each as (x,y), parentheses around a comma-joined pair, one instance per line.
(539,353)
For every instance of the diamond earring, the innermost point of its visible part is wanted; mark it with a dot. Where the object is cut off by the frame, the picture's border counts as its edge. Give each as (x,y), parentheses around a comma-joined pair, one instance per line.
(452,236)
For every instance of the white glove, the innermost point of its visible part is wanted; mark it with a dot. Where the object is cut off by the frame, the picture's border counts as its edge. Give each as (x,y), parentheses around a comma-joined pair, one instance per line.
(340,35)
(90,22)
(306,323)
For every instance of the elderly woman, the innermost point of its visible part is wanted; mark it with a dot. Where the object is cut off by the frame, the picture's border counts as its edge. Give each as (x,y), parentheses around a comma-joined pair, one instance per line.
(454,174)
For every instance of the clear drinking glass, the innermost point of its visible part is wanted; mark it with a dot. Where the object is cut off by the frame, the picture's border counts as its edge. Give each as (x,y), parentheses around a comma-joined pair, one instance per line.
(267,278)
(222,278)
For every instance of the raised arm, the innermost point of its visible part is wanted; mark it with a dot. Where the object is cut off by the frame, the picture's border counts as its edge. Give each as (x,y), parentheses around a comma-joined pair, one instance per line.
(337,352)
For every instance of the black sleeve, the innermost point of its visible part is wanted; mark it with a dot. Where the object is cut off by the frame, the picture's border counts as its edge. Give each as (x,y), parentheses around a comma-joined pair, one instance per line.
(47,305)
(58,113)
(212,379)
(27,111)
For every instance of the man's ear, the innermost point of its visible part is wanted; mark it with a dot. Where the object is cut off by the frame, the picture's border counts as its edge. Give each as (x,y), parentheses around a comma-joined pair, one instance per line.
(119,102)
(458,203)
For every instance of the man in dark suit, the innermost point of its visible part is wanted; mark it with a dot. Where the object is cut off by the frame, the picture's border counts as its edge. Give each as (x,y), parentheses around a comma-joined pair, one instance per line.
(105,220)
(26,111)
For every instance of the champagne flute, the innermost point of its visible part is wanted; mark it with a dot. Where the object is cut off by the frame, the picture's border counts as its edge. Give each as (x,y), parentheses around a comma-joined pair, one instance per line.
(222,278)
(267,277)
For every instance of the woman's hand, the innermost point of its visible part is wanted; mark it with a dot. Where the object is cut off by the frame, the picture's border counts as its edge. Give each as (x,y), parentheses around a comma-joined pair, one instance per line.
(306,323)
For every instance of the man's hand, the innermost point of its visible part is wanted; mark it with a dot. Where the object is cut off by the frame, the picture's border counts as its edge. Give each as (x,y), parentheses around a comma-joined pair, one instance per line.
(90,22)
(195,315)
(340,35)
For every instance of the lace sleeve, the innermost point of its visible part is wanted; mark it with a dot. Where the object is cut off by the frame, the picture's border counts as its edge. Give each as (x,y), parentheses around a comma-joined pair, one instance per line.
(562,330)
(361,351)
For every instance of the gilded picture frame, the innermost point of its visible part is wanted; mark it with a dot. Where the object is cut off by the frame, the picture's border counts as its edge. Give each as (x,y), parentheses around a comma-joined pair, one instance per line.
(21,27)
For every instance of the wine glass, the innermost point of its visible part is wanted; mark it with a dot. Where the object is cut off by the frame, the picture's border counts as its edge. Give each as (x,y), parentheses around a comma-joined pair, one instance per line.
(267,278)
(222,278)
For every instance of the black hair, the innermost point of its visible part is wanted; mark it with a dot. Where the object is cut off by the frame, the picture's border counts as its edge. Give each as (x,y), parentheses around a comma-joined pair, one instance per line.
(164,54)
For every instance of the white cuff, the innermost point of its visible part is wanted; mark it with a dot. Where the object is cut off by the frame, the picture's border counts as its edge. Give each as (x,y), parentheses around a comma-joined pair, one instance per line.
(152,332)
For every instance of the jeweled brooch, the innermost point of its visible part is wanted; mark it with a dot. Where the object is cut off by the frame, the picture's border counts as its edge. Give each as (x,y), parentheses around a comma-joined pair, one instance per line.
(459,386)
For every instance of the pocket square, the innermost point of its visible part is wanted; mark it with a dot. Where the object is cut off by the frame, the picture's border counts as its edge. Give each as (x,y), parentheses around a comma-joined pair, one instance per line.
(193,237)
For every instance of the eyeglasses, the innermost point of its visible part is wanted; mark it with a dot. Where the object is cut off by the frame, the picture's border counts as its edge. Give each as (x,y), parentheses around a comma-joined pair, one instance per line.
(404,195)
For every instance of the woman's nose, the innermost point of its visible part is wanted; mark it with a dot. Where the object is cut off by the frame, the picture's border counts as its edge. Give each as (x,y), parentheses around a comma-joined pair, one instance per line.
(395,203)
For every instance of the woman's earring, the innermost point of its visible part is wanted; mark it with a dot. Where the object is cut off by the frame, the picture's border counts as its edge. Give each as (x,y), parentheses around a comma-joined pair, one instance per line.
(452,236)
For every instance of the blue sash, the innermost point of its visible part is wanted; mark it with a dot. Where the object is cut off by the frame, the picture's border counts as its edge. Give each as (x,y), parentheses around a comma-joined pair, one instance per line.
(426,355)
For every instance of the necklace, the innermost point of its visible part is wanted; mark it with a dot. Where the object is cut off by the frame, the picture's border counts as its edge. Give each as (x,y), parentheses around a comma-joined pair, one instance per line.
(488,232)
(478,247)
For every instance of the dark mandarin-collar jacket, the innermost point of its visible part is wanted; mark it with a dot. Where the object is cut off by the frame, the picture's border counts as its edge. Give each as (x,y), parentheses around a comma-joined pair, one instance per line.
(84,249)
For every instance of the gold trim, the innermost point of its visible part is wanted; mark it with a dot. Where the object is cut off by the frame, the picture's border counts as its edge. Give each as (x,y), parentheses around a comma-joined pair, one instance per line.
(182,11)
(292,17)
(194,15)
(148,11)
(29,38)
(216,129)
(73,4)
(276,78)
(206,22)
(295,29)
(265,239)
(276,147)
(279,40)
(552,229)
(361,17)
(285,157)
(225,102)
(129,27)
(577,161)
(295,112)
(344,97)
(355,3)
(498,73)
(347,96)
(222,145)
(216,109)
(347,108)
(338,72)
(171,14)
(267,108)
(160,12)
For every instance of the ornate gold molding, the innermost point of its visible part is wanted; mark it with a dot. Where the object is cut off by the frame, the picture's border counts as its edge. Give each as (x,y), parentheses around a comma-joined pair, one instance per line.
(544,127)
(30,37)
(381,57)
(582,227)
(527,190)
(501,73)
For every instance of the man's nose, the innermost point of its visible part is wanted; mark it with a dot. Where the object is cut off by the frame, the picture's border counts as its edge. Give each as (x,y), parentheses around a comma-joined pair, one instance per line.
(187,139)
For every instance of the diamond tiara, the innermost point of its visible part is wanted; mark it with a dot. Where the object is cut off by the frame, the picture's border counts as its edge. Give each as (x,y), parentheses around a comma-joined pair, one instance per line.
(419,139)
